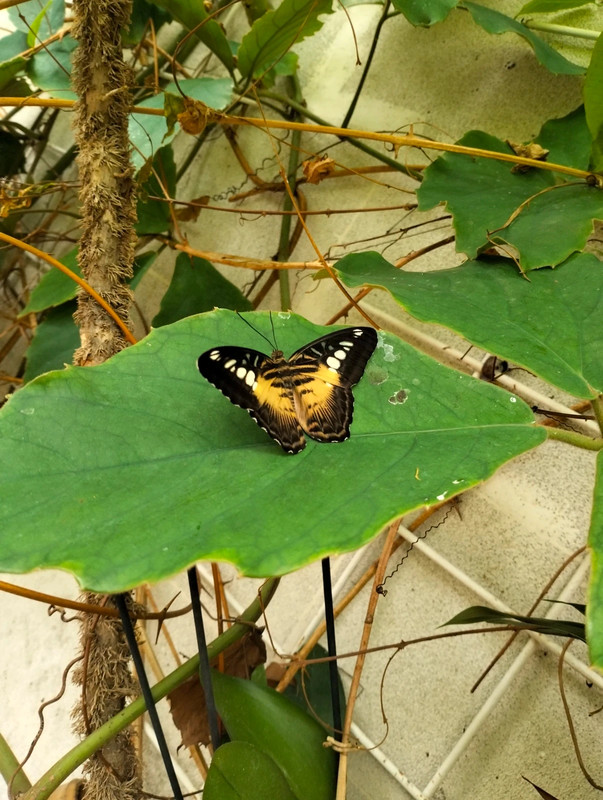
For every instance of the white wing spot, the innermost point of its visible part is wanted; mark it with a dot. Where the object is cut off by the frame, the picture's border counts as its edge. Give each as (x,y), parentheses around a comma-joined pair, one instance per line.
(358,331)
(241,372)
(214,355)
(340,354)
(333,363)
(230,363)
(250,378)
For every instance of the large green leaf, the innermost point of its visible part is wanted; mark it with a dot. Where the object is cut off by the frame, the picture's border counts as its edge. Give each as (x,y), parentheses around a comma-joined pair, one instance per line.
(281,730)
(550,324)
(495,22)
(271,36)
(148,133)
(593,102)
(241,771)
(150,468)
(194,16)
(197,286)
(483,195)
(425,12)
(594,609)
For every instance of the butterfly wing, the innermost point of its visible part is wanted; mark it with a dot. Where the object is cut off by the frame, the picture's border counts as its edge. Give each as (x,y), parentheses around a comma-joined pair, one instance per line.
(251,380)
(324,373)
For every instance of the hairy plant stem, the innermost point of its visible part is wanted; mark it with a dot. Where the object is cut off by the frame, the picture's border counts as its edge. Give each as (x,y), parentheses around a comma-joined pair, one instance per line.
(106,249)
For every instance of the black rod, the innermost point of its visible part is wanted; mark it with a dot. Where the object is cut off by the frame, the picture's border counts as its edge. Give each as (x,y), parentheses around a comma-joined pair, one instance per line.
(204,668)
(120,601)
(331,646)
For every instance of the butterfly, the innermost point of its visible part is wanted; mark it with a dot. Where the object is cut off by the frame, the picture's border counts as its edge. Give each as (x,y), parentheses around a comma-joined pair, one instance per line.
(309,392)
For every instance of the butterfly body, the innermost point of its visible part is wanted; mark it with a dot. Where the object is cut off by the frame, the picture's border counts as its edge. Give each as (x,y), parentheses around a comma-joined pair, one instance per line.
(310,392)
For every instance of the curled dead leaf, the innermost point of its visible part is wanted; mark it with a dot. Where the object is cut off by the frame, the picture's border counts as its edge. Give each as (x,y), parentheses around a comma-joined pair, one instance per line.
(530,150)
(187,702)
(318,168)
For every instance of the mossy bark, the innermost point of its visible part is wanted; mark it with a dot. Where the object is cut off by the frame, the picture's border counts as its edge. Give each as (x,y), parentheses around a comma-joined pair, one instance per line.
(106,253)
(108,198)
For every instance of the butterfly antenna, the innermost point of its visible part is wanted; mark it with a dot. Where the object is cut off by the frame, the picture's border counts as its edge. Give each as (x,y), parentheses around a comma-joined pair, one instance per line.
(253,328)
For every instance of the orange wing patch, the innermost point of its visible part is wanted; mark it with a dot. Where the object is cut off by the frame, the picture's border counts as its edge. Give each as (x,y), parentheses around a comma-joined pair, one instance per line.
(276,414)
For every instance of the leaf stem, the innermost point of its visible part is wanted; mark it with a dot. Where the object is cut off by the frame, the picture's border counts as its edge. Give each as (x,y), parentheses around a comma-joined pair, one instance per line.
(562,30)
(597,406)
(577,439)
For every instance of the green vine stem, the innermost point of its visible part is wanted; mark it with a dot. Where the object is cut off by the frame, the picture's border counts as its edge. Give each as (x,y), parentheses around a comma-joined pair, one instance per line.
(562,30)
(43,787)
(577,439)
(597,406)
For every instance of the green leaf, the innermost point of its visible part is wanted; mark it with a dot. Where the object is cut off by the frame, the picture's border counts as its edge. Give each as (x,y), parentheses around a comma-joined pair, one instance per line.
(567,139)
(495,22)
(271,36)
(10,68)
(282,731)
(143,12)
(148,133)
(425,12)
(12,153)
(155,216)
(549,324)
(54,342)
(50,69)
(197,286)
(55,288)
(546,6)
(594,608)
(593,102)
(484,194)
(241,771)
(311,689)
(480,193)
(43,20)
(147,439)
(192,14)
(551,627)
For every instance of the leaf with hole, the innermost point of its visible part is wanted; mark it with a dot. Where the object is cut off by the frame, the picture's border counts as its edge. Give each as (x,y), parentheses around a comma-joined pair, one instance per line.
(550,324)
(490,203)
(150,468)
